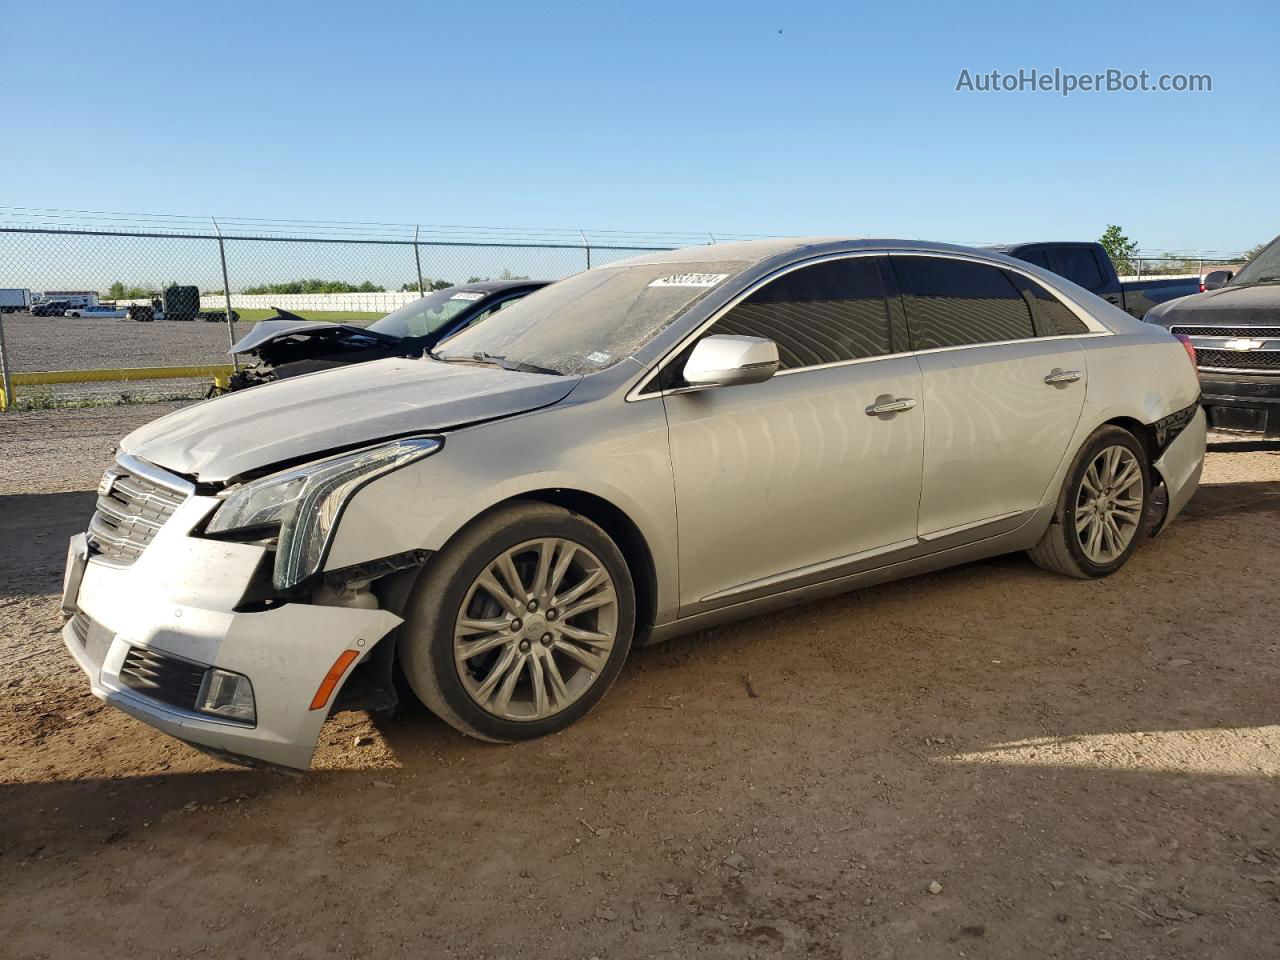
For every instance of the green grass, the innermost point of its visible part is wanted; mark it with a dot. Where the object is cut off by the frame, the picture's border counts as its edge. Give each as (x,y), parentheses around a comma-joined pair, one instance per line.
(253,315)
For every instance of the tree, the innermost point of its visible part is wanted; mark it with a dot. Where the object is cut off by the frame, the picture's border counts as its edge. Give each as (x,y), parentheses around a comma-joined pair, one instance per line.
(118,291)
(1120,248)
(1253,251)
(315,286)
(428,285)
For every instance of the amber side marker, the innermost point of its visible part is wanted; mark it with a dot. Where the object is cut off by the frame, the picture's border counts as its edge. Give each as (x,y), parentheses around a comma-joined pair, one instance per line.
(325,690)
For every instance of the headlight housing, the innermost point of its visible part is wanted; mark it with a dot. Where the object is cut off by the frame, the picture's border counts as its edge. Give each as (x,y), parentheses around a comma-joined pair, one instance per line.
(306,502)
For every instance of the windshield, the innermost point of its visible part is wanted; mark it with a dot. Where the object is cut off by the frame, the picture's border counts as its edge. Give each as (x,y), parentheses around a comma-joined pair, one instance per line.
(592,320)
(1265,266)
(427,315)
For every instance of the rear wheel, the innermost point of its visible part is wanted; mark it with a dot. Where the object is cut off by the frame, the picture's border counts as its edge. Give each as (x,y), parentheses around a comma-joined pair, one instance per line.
(1099,521)
(520,625)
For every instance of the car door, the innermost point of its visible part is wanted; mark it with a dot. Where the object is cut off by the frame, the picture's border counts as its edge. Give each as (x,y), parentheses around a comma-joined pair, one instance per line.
(1003,384)
(792,480)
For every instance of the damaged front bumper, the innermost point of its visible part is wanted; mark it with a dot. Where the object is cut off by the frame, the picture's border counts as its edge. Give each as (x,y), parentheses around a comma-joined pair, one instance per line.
(149,634)
(1181,464)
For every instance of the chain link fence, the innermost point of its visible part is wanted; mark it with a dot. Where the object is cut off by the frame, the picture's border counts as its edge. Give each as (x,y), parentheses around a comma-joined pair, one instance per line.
(50,274)
(242,271)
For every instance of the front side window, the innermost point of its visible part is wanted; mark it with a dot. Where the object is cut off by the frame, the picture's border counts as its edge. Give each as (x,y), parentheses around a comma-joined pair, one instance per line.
(955,303)
(826,313)
(1080,265)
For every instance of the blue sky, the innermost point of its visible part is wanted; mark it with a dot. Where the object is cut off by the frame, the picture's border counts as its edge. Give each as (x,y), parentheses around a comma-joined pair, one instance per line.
(661,116)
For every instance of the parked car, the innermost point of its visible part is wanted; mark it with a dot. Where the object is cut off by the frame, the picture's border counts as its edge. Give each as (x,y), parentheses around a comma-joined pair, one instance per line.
(1088,265)
(51,308)
(289,345)
(1235,330)
(644,449)
(102,310)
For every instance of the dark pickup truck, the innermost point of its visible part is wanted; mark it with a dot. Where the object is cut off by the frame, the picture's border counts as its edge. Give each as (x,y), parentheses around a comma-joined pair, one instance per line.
(1088,265)
(1235,330)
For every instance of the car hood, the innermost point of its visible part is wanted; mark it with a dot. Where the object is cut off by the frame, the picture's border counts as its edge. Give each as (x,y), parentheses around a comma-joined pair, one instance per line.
(305,417)
(269,331)
(1227,306)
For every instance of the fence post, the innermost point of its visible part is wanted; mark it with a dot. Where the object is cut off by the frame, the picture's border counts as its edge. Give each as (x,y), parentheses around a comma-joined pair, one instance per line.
(6,386)
(417,259)
(1139,268)
(226,293)
(586,245)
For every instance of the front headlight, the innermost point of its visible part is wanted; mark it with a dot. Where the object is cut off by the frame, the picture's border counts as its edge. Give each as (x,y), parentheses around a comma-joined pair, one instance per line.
(306,502)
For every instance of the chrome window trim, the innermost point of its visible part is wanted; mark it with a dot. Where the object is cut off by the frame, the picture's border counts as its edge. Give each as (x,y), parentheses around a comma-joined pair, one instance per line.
(1096,328)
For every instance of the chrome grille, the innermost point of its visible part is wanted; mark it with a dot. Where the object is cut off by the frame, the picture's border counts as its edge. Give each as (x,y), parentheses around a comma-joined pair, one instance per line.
(1249,333)
(1237,359)
(132,507)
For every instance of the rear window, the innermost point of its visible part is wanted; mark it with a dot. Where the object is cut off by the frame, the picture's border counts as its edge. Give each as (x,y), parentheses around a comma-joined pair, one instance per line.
(1080,265)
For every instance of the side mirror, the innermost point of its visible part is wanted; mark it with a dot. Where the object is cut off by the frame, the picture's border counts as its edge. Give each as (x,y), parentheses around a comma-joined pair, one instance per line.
(1216,279)
(724,361)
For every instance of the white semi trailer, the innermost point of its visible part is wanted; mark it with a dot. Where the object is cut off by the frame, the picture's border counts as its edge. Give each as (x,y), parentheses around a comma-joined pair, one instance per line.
(13,299)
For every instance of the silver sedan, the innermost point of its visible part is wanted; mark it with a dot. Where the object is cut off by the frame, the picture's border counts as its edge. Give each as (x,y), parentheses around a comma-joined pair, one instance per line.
(648,448)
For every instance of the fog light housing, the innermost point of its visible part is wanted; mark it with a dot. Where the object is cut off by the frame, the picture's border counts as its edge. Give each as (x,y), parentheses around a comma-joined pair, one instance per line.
(227,694)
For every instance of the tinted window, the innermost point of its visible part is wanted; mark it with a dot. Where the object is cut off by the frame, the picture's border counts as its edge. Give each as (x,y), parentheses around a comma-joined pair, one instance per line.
(829,312)
(1080,265)
(1055,316)
(956,302)
(1034,255)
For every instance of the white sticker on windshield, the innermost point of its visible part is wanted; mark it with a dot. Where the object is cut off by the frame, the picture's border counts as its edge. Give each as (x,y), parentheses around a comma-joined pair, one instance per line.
(598,357)
(689,280)
(467,296)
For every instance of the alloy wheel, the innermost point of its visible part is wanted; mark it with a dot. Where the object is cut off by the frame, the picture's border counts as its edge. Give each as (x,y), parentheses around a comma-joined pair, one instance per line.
(535,629)
(1109,504)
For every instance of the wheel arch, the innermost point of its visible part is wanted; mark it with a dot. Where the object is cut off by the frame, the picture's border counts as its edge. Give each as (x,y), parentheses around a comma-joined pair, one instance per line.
(620,527)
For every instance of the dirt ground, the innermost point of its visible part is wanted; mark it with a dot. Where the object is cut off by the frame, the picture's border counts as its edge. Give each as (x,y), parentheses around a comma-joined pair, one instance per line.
(986,762)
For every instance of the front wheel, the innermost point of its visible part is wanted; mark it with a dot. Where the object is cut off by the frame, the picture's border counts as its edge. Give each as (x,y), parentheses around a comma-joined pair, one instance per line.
(1099,521)
(520,625)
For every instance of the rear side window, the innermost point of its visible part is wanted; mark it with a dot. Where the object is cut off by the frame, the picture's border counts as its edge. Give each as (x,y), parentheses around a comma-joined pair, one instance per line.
(1055,316)
(1080,265)
(826,313)
(954,303)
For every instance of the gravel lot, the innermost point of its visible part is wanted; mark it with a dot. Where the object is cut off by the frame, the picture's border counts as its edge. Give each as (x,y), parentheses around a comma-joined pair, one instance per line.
(986,762)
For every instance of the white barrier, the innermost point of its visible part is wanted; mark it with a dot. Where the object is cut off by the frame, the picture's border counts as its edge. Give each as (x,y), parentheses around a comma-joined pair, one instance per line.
(302,302)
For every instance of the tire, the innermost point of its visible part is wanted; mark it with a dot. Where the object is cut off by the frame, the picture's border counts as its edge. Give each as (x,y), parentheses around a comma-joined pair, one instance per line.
(453,685)
(1068,547)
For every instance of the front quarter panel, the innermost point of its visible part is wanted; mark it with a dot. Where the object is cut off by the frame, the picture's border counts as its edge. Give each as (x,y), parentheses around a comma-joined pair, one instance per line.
(606,447)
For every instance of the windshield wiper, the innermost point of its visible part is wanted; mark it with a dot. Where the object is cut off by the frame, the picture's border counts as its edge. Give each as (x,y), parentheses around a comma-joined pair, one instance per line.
(481,357)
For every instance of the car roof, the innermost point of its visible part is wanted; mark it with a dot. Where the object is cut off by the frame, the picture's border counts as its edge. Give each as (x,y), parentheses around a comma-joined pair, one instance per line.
(786,248)
(498,286)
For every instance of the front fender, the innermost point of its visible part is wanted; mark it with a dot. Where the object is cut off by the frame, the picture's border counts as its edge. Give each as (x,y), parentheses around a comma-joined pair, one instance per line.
(618,453)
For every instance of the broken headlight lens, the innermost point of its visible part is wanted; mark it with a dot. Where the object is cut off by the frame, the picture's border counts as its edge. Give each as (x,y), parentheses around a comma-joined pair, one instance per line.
(305,503)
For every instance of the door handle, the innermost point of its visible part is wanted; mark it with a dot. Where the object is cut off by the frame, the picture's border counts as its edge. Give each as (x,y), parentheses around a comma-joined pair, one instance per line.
(890,405)
(1063,376)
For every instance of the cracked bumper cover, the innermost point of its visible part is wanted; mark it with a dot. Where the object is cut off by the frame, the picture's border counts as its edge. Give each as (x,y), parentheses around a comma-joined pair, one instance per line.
(1181,463)
(178,599)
